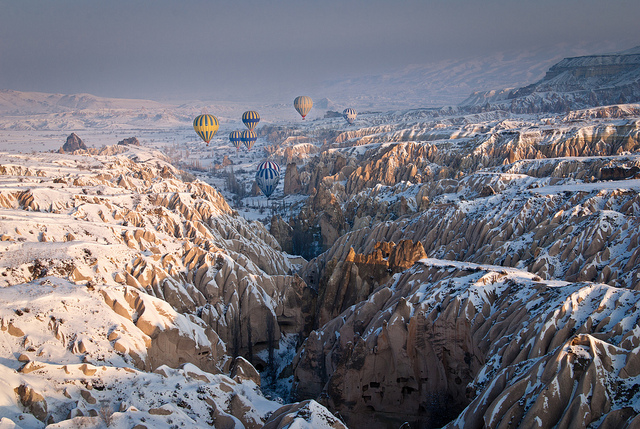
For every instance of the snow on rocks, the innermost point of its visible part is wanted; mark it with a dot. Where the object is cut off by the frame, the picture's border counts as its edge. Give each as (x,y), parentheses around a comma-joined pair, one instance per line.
(498,345)
(112,267)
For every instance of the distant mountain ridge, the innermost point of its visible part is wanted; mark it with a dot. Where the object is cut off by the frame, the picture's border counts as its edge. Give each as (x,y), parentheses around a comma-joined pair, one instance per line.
(451,81)
(573,83)
(21,103)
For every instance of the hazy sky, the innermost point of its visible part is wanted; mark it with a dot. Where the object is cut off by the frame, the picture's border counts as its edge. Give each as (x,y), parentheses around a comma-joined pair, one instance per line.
(244,49)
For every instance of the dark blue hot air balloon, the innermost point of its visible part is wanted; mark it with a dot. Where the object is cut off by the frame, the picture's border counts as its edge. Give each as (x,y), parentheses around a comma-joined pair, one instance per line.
(268,177)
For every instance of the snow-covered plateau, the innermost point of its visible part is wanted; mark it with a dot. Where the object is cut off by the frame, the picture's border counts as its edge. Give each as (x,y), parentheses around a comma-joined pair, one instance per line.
(462,267)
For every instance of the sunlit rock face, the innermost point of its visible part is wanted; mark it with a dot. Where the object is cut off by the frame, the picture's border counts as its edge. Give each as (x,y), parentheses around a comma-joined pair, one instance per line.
(130,293)
(491,346)
(385,172)
(542,237)
(343,283)
(292,182)
(131,221)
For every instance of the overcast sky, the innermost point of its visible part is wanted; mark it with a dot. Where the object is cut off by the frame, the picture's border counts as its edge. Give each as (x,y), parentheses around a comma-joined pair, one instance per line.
(244,49)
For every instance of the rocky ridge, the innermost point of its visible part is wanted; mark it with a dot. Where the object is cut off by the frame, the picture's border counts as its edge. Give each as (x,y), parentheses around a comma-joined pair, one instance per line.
(175,277)
(573,83)
(400,172)
(494,346)
(552,198)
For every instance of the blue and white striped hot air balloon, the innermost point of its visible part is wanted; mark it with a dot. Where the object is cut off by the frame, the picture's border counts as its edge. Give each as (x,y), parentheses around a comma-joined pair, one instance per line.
(350,115)
(267,180)
(269,164)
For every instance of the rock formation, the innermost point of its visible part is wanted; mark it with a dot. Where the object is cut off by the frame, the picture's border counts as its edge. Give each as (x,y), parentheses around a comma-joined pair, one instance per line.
(498,347)
(306,414)
(343,283)
(131,141)
(177,241)
(72,144)
(292,183)
(573,83)
(141,279)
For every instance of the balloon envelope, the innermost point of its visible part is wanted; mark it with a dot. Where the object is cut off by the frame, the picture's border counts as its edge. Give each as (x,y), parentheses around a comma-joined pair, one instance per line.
(236,138)
(267,180)
(269,164)
(249,137)
(303,105)
(250,119)
(350,115)
(206,126)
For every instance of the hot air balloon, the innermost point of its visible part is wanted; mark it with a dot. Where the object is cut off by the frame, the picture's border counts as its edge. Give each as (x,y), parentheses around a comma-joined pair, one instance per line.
(350,115)
(267,180)
(249,137)
(236,138)
(206,127)
(303,104)
(250,119)
(269,164)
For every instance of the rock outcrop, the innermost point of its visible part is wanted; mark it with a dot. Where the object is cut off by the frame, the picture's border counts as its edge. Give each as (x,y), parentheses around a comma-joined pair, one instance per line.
(292,182)
(72,144)
(173,240)
(344,283)
(305,415)
(573,83)
(131,141)
(496,347)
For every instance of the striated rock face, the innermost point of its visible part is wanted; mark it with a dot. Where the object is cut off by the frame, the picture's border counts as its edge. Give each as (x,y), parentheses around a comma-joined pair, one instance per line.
(346,282)
(292,182)
(595,65)
(551,226)
(573,83)
(130,221)
(73,143)
(501,347)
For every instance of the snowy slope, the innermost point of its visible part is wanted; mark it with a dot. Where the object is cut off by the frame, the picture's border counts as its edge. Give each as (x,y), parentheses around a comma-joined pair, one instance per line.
(128,295)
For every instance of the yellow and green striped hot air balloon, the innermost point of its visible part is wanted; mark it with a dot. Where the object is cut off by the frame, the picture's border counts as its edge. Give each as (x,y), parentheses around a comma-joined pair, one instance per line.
(250,119)
(206,127)
(303,104)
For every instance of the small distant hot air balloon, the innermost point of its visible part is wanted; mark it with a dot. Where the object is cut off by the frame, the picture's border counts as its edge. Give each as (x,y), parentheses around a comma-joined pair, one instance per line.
(250,119)
(249,137)
(269,164)
(206,126)
(303,104)
(236,138)
(350,115)
(267,180)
